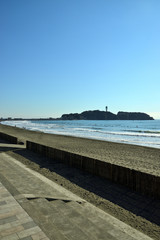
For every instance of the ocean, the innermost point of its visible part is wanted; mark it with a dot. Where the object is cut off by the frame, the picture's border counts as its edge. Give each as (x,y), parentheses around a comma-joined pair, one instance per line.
(144,133)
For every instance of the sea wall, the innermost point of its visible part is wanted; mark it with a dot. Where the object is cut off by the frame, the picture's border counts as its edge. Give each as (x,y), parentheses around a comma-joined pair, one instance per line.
(8,138)
(144,183)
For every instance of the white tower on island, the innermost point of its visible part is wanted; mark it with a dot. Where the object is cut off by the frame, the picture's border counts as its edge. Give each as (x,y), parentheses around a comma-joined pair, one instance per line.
(106,109)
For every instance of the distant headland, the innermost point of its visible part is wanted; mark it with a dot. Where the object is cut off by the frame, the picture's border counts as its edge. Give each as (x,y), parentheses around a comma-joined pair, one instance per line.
(106,115)
(92,115)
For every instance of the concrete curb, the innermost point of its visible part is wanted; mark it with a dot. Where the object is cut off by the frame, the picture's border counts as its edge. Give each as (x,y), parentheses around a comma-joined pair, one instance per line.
(141,182)
(9,138)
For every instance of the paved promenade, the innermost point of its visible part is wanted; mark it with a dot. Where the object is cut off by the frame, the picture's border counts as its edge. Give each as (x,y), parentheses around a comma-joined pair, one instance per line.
(15,223)
(32,207)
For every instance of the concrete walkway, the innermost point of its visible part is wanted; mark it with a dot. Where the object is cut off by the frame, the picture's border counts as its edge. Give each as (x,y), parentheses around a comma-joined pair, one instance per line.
(15,223)
(33,207)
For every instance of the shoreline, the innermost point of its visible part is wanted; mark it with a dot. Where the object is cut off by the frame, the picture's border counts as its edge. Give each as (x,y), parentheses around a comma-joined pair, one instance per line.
(132,143)
(141,136)
(145,159)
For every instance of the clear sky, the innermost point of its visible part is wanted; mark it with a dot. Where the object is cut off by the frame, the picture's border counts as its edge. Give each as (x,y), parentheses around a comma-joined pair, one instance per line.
(63,56)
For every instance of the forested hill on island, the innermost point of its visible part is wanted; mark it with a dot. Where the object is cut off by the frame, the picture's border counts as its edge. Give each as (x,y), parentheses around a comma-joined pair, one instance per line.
(102,115)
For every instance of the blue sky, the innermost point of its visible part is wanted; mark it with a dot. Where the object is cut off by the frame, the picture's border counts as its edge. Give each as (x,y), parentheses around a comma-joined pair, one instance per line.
(59,56)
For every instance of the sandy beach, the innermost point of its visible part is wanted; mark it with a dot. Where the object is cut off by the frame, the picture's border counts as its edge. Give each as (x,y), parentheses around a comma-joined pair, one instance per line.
(128,206)
(135,157)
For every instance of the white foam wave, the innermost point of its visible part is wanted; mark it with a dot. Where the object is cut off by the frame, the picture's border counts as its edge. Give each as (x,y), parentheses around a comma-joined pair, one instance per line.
(115,132)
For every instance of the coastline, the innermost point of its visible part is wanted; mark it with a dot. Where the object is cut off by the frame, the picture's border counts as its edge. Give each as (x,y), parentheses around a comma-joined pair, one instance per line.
(140,133)
(117,200)
(144,159)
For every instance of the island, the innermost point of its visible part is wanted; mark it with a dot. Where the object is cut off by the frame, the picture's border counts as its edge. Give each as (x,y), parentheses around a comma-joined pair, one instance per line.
(91,115)
(106,115)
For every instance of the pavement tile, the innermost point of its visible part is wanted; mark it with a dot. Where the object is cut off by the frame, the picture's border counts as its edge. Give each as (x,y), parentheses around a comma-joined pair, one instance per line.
(11,230)
(29,225)
(27,238)
(8,199)
(4,194)
(15,223)
(2,190)
(39,236)
(17,212)
(21,215)
(22,220)
(9,203)
(5,226)
(7,209)
(2,203)
(11,237)
(120,235)
(29,232)
(8,220)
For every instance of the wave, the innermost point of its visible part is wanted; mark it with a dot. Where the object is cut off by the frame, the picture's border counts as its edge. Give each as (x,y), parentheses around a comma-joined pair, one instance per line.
(110,131)
(128,133)
(143,131)
(54,127)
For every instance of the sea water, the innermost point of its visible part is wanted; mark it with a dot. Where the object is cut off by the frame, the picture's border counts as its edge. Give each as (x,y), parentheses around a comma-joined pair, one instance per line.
(145,133)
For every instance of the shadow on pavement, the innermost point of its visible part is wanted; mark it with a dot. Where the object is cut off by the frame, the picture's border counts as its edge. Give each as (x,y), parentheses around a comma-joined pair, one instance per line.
(5,146)
(134,202)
